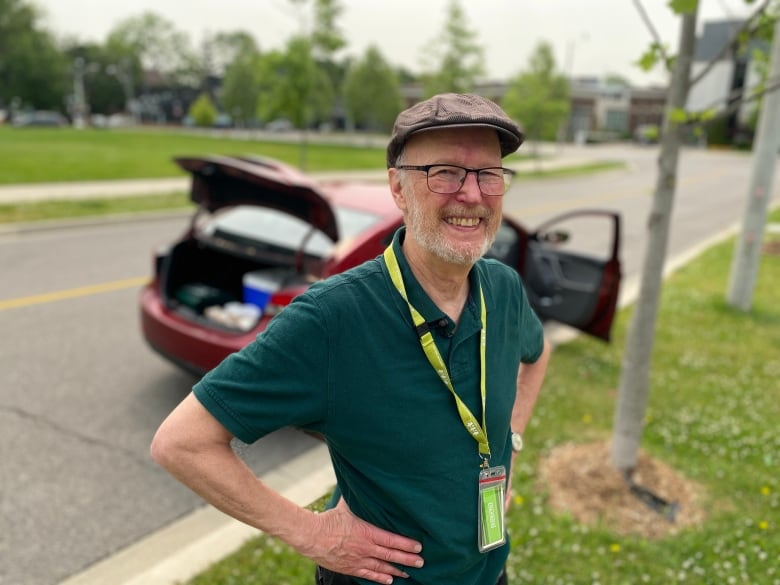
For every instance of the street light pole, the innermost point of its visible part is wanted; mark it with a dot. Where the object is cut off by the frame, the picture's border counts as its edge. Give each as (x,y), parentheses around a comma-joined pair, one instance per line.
(125,78)
(79,99)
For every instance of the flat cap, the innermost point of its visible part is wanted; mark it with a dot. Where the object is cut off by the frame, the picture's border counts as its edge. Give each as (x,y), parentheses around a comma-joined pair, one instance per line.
(453,110)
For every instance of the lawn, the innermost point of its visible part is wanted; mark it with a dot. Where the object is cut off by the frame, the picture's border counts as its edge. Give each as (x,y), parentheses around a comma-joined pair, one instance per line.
(32,155)
(713,416)
(40,155)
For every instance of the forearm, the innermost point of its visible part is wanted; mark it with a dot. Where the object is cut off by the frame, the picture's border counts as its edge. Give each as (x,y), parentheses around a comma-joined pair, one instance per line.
(199,456)
(195,448)
(225,482)
(529,384)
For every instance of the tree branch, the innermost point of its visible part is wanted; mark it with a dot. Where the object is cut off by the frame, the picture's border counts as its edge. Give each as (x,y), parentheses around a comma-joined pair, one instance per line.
(734,104)
(733,42)
(653,32)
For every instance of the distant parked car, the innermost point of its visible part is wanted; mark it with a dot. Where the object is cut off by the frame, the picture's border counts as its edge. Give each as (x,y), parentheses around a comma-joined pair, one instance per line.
(39,118)
(279,125)
(264,232)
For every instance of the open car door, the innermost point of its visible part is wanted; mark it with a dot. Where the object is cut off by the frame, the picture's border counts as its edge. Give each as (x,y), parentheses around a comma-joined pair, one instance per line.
(571,270)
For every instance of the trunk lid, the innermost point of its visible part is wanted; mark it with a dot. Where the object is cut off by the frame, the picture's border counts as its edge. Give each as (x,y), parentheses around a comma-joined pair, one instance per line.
(221,181)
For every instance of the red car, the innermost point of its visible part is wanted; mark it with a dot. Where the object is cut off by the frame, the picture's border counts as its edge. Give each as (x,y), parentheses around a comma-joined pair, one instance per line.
(263,232)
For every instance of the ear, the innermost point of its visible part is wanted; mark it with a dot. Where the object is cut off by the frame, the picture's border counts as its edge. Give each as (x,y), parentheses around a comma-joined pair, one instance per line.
(394,178)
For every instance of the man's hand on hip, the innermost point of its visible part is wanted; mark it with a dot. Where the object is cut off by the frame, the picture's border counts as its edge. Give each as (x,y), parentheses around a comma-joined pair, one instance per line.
(344,543)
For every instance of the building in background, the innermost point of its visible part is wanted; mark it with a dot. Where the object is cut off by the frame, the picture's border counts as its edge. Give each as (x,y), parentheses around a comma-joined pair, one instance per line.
(727,81)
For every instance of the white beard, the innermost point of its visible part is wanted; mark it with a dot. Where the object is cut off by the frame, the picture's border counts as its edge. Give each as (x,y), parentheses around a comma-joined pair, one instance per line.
(430,238)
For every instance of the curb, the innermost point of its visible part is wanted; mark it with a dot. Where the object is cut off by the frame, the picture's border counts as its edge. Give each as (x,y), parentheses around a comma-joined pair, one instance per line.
(191,544)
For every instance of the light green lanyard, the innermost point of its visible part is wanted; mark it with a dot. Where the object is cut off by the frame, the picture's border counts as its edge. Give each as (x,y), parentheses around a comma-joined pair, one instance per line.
(479,432)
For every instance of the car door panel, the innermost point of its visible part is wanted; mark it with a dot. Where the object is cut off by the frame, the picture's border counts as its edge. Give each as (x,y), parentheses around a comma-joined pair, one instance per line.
(562,286)
(571,269)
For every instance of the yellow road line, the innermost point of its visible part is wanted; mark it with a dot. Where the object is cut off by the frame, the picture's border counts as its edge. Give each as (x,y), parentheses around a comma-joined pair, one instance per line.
(71,293)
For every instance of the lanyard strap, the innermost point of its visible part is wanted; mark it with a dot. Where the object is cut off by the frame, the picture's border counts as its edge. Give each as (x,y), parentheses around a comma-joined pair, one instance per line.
(477,431)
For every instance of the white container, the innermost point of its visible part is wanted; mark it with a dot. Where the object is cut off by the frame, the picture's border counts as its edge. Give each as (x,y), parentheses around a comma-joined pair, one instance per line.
(259,285)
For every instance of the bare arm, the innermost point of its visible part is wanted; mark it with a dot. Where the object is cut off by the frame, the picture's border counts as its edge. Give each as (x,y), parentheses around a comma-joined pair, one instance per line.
(529,383)
(195,448)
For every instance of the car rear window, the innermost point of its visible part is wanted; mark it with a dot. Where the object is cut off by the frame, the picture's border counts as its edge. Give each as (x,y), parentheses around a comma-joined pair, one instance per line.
(279,230)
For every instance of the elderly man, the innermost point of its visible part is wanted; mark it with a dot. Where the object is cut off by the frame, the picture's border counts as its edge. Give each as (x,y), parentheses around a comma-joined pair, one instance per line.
(420,370)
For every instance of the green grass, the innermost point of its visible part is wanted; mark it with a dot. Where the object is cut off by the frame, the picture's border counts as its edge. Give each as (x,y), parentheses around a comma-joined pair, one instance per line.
(40,155)
(74,208)
(713,414)
(37,155)
(77,208)
(574,170)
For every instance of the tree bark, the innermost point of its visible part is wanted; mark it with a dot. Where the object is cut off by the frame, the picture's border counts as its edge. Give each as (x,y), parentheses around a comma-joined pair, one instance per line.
(747,255)
(634,386)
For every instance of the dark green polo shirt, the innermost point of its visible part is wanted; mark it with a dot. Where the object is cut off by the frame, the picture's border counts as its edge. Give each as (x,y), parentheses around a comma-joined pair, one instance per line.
(344,360)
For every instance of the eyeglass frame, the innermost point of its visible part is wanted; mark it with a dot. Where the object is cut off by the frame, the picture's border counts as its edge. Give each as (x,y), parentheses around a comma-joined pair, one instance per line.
(508,175)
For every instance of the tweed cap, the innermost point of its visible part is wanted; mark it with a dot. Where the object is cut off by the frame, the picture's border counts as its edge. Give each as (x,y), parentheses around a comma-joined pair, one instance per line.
(453,110)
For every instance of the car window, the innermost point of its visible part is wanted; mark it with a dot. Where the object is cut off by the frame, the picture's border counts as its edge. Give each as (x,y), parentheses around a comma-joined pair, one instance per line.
(506,246)
(280,230)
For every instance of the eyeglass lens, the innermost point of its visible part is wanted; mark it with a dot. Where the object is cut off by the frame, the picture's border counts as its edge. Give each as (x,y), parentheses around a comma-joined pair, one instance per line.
(446,179)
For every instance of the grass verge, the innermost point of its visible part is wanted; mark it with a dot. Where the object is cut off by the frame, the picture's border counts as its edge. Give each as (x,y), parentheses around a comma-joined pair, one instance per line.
(62,209)
(39,155)
(91,207)
(713,415)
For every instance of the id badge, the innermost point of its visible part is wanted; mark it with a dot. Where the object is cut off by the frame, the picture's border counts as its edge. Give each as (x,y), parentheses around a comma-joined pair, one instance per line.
(492,490)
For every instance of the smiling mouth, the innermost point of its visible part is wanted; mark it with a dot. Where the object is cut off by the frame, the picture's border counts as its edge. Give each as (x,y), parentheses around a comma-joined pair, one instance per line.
(463,221)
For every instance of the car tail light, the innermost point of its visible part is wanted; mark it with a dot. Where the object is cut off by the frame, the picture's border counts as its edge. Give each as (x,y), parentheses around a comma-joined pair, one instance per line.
(280,299)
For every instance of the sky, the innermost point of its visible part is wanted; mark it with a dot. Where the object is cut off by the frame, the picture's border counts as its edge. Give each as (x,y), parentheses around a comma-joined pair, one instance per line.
(588,37)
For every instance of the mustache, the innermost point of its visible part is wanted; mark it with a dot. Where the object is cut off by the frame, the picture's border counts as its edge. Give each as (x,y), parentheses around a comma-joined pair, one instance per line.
(469,212)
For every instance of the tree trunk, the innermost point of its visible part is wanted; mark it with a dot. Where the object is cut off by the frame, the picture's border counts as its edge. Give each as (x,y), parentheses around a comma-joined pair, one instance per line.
(634,386)
(744,268)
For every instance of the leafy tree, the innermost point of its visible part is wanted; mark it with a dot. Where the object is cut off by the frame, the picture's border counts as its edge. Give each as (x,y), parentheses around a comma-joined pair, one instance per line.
(221,50)
(292,86)
(241,88)
(539,98)
(33,71)
(634,387)
(104,91)
(203,111)
(158,45)
(326,38)
(372,92)
(457,60)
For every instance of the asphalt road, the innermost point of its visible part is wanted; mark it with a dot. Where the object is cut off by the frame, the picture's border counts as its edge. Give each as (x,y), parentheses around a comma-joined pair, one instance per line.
(81,395)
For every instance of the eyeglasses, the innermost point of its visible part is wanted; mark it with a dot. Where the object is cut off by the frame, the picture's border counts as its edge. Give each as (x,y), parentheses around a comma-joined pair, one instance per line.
(449,179)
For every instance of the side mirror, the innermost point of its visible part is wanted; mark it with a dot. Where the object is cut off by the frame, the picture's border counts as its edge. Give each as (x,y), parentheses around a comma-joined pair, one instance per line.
(553,237)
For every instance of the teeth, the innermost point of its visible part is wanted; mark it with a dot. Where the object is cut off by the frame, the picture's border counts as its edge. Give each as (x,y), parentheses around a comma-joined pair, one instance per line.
(463,221)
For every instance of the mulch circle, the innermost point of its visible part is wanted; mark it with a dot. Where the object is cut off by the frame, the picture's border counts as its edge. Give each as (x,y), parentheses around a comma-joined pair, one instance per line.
(772,248)
(581,481)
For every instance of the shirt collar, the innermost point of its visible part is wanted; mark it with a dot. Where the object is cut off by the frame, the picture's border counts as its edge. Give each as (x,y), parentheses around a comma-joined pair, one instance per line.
(470,321)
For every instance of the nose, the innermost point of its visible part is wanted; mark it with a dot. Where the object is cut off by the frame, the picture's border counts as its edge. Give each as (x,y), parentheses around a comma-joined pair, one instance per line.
(469,190)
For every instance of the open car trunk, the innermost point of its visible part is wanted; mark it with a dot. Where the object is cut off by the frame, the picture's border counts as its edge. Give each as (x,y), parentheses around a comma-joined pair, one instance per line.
(261,227)
(199,274)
